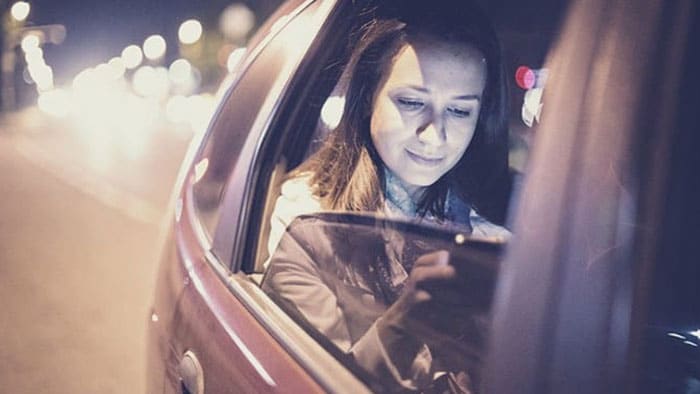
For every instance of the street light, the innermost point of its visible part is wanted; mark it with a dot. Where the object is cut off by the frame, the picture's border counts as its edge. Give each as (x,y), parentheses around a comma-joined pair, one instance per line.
(20,10)
(190,31)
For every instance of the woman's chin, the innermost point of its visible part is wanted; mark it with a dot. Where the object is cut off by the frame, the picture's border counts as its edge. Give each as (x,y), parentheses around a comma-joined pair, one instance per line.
(420,180)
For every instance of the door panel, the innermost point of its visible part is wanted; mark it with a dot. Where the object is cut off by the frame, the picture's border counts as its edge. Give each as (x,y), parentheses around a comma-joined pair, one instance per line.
(235,351)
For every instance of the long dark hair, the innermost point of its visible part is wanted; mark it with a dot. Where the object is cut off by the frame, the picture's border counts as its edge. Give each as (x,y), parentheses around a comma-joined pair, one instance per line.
(347,172)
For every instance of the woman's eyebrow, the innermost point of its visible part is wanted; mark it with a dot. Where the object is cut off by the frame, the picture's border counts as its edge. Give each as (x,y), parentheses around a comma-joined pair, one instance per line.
(421,89)
(476,97)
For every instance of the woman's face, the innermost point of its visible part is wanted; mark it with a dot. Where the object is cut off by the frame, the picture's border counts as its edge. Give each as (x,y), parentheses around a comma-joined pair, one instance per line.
(425,111)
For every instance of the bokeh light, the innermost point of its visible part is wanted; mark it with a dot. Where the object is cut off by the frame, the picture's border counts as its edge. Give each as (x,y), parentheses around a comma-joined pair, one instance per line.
(154,47)
(234,58)
(332,111)
(42,75)
(151,81)
(55,102)
(132,56)
(34,55)
(176,110)
(180,71)
(117,68)
(201,108)
(190,31)
(236,21)
(20,10)
(525,77)
(30,41)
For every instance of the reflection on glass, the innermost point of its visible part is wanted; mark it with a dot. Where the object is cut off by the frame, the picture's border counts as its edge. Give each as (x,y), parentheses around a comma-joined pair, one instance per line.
(346,276)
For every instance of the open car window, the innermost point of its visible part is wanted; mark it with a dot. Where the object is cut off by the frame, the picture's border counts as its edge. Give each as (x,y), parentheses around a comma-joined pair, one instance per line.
(354,266)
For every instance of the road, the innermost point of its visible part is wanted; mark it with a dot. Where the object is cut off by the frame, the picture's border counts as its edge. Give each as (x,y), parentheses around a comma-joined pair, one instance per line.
(78,233)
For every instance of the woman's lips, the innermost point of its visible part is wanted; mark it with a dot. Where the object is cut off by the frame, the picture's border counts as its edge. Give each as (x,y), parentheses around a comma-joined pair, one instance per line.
(424,160)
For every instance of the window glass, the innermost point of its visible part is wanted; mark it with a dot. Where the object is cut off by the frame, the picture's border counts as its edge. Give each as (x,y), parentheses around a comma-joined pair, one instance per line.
(397,286)
(239,111)
(225,140)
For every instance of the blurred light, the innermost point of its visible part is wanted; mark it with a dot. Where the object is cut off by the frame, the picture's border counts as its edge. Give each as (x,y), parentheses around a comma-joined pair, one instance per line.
(674,335)
(200,169)
(332,111)
(690,343)
(236,21)
(55,102)
(154,47)
(695,333)
(200,110)
(139,117)
(117,68)
(532,106)
(151,82)
(132,56)
(525,77)
(190,31)
(528,78)
(34,55)
(42,75)
(103,72)
(26,77)
(180,71)
(20,10)
(154,317)
(176,109)
(57,34)
(234,58)
(83,80)
(30,41)
(184,77)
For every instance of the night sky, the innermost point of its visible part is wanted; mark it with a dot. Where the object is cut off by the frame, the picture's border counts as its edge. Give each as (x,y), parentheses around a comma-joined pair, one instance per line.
(99,30)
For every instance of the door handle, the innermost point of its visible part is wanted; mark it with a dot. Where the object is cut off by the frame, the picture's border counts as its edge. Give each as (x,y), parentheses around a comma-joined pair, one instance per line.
(191,374)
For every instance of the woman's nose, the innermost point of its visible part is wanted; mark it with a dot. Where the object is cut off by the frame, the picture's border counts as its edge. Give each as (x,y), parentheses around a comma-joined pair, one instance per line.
(432,133)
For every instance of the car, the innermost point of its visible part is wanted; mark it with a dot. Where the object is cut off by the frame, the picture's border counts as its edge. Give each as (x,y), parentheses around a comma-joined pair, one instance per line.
(595,292)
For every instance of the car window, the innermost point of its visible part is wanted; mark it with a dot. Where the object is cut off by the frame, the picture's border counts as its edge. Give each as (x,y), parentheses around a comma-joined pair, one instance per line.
(284,214)
(224,141)
(239,111)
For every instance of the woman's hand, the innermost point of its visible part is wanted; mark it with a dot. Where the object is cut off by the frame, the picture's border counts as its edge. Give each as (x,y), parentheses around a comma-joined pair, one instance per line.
(435,308)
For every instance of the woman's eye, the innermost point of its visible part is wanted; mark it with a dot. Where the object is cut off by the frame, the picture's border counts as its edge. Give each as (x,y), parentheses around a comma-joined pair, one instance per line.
(459,112)
(411,104)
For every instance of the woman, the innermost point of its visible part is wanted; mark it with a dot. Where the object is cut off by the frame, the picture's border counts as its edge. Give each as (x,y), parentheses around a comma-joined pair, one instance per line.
(423,137)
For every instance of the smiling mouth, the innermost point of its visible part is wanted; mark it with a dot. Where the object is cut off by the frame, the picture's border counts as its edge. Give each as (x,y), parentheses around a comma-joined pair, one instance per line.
(423,160)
